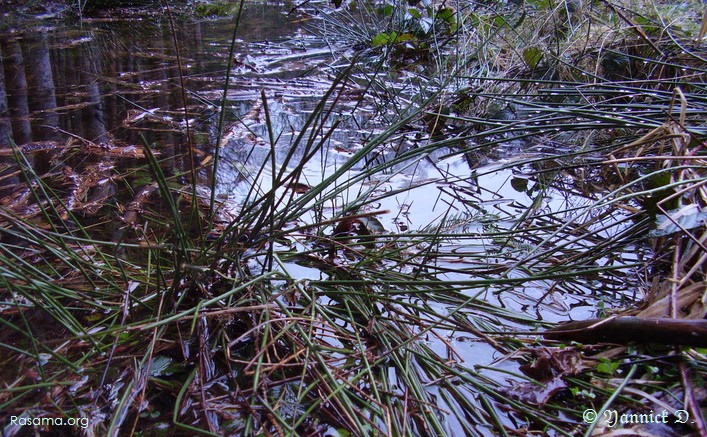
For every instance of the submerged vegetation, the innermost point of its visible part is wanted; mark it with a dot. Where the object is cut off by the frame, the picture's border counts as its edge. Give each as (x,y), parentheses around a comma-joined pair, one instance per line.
(467,176)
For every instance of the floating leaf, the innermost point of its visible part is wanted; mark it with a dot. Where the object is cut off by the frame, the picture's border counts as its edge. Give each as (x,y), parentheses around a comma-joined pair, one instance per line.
(687,217)
(519,184)
(537,395)
(298,187)
(373,225)
(159,365)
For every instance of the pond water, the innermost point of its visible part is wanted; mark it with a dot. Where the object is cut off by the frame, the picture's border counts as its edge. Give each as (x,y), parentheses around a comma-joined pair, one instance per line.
(115,81)
(116,78)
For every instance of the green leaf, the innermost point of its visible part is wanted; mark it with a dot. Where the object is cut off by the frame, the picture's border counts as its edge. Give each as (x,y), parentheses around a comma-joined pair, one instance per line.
(532,56)
(446,14)
(384,38)
(499,21)
(608,367)
(540,4)
(380,39)
(404,37)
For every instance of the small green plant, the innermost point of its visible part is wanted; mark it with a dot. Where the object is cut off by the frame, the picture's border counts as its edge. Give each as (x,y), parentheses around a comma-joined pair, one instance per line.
(607,366)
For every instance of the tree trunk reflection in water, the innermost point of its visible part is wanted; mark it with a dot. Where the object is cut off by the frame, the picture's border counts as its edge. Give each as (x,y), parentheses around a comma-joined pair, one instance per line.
(16,83)
(40,84)
(93,115)
(5,127)
(7,179)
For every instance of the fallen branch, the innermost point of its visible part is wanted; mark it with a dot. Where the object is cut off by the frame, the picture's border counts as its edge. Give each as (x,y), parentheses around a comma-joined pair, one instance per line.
(628,329)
